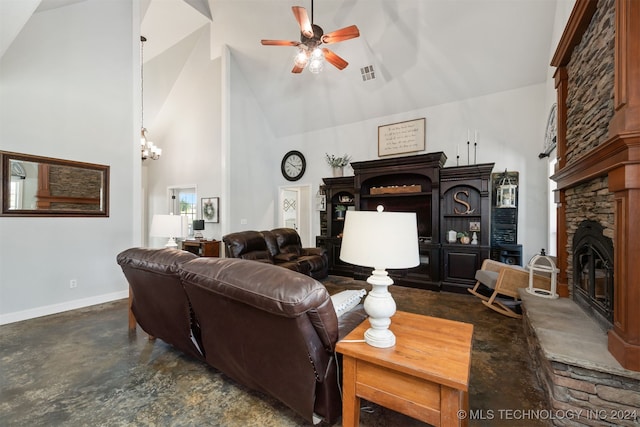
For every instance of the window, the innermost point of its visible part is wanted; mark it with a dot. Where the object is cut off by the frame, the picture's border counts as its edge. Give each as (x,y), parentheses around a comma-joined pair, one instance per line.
(15,194)
(184,201)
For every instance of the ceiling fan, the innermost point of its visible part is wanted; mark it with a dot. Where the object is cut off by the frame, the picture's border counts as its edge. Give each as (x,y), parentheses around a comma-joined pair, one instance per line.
(312,37)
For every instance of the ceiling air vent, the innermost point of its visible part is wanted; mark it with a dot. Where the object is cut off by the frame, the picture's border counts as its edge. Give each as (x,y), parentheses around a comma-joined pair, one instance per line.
(367,73)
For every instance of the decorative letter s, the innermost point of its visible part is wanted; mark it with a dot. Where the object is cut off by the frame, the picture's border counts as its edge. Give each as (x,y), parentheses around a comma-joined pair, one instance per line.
(463,203)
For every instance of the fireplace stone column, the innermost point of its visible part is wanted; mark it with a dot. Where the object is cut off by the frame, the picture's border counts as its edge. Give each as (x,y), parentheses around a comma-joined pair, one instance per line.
(624,338)
(624,181)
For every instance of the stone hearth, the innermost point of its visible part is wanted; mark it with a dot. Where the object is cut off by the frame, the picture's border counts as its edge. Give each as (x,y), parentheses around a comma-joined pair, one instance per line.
(584,383)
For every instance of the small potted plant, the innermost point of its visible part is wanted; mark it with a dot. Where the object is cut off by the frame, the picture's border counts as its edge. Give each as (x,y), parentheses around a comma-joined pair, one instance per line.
(464,237)
(337,163)
(340,210)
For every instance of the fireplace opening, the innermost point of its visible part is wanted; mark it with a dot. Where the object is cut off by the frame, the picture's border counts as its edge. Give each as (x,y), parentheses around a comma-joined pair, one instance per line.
(593,271)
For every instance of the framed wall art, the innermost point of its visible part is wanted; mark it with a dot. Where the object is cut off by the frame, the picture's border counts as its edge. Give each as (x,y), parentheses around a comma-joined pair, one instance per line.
(211,209)
(402,137)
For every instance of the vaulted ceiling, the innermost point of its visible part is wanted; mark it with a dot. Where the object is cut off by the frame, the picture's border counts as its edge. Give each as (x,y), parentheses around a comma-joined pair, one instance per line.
(424,52)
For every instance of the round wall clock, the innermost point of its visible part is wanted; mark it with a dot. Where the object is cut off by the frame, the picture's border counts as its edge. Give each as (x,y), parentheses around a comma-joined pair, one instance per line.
(293,165)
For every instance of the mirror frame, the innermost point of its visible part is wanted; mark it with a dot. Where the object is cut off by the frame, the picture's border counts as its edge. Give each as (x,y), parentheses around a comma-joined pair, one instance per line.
(5,173)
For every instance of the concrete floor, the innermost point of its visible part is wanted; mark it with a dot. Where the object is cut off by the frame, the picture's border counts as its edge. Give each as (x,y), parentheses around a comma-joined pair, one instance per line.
(84,368)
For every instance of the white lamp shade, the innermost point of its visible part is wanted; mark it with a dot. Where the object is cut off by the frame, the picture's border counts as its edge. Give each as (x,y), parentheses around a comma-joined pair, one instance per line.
(380,239)
(166,226)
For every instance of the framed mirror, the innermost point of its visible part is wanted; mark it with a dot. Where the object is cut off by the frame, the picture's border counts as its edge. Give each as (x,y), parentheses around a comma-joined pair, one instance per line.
(43,186)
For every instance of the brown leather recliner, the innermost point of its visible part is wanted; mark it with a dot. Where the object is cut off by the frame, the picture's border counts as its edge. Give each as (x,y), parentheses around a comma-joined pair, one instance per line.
(157,299)
(284,249)
(289,245)
(271,329)
(249,245)
(253,245)
(284,260)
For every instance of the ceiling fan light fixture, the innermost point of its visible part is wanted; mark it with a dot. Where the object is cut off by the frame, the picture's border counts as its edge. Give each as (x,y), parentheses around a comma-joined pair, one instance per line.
(316,62)
(302,58)
(317,53)
(316,66)
(312,36)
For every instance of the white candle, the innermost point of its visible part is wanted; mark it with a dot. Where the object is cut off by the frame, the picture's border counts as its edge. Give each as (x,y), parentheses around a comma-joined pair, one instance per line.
(476,136)
(458,152)
(468,134)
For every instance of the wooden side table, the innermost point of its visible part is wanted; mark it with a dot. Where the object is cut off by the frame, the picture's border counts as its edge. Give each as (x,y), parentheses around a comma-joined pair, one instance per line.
(425,375)
(210,248)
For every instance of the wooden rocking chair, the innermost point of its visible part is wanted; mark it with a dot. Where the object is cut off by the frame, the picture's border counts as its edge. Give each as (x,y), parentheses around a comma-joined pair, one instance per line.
(500,283)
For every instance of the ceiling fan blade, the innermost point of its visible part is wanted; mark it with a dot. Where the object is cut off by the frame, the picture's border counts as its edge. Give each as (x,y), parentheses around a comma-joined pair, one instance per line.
(334,59)
(279,43)
(342,34)
(303,20)
(297,69)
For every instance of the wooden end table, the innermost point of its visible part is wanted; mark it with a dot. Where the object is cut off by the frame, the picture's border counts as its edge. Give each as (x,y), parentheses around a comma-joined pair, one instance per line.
(202,247)
(425,375)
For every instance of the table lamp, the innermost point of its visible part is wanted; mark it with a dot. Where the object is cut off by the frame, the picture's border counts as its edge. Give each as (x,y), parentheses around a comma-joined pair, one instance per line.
(380,240)
(167,226)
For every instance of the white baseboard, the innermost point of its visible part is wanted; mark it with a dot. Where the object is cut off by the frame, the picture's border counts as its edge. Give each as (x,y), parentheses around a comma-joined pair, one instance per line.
(32,313)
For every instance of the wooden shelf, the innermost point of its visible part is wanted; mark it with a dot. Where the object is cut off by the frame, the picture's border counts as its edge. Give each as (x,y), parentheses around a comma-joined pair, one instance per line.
(385,195)
(464,187)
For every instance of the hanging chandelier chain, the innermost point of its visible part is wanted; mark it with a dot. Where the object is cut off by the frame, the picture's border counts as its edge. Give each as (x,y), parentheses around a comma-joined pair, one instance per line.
(148,148)
(142,40)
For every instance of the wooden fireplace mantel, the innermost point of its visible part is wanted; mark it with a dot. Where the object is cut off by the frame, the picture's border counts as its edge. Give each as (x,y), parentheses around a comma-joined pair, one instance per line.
(621,150)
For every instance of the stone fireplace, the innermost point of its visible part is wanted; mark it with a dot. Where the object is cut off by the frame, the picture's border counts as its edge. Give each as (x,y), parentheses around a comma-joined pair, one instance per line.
(586,347)
(598,176)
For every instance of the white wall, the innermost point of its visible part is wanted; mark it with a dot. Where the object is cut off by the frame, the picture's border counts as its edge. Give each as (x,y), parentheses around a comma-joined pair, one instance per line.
(187,128)
(68,92)
(255,161)
(511,134)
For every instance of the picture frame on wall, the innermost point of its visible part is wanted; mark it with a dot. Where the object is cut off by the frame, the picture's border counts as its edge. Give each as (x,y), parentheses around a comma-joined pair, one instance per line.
(210,209)
(401,138)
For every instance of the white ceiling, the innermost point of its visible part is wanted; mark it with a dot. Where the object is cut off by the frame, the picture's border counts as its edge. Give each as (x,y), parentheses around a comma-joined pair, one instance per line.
(425,52)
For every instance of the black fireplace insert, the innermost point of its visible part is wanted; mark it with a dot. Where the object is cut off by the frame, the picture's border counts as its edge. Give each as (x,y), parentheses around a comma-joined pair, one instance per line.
(593,271)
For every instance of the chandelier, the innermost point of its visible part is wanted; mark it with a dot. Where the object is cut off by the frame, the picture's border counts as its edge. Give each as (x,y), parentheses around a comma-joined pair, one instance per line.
(148,149)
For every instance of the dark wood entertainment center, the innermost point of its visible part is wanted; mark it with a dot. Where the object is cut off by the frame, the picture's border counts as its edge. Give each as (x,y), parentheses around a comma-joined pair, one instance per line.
(443,199)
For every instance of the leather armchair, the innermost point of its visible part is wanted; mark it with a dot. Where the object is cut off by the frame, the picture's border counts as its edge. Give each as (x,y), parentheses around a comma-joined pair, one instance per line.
(249,245)
(270,329)
(287,260)
(314,260)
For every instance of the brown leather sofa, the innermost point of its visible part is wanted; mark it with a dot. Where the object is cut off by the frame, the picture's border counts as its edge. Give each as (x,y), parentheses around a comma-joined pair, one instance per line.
(280,246)
(269,328)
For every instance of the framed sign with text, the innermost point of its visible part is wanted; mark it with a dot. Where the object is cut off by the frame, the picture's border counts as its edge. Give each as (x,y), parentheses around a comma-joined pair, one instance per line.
(402,137)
